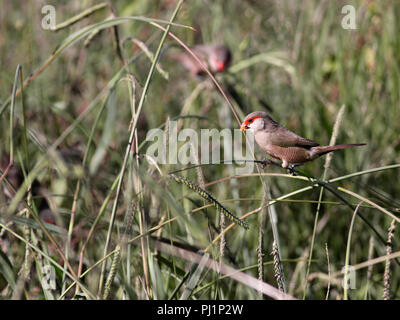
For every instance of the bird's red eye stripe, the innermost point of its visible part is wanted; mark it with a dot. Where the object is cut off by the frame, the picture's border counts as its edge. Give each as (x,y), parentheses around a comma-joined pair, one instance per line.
(251,120)
(220,65)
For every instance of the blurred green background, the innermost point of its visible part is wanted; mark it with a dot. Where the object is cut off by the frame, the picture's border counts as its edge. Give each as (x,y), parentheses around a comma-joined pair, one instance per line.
(307,66)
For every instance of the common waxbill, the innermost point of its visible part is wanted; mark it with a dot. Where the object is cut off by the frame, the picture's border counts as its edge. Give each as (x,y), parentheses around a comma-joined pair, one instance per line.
(281,143)
(216,57)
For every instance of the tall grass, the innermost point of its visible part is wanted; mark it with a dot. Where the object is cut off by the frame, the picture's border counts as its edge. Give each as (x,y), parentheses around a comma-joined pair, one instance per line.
(125,229)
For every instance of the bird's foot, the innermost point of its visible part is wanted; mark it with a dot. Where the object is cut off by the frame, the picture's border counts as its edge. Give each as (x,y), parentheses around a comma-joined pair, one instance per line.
(291,168)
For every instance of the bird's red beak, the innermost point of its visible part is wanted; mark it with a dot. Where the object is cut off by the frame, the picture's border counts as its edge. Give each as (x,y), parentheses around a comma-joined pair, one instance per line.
(221,66)
(243,127)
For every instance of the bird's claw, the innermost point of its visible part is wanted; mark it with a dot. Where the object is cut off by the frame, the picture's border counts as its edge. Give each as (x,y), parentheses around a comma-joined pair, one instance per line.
(291,169)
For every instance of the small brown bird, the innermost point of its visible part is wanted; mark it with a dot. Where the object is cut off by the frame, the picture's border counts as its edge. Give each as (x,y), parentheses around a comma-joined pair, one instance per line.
(216,57)
(281,143)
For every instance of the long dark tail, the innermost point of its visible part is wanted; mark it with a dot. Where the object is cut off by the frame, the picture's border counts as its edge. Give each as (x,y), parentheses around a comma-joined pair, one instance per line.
(321,150)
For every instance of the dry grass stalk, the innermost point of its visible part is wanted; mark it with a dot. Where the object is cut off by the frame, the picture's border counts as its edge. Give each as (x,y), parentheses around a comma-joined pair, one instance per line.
(277,271)
(386,277)
(113,270)
(207,196)
(329,271)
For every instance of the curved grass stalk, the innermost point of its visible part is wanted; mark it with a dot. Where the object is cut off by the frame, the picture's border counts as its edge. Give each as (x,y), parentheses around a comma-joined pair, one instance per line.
(238,276)
(269,58)
(371,262)
(360,173)
(80,16)
(254,266)
(329,271)
(356,195)
(11,158)
(347,258)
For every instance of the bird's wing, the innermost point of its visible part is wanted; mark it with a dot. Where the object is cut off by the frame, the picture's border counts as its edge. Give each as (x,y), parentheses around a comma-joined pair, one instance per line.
(201,50)
(283,137)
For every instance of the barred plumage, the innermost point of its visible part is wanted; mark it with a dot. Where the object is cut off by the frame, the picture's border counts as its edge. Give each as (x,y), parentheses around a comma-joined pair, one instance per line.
(207,196)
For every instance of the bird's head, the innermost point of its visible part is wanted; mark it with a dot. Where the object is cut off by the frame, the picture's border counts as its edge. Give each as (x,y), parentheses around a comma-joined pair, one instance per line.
(220,58)
(256,121)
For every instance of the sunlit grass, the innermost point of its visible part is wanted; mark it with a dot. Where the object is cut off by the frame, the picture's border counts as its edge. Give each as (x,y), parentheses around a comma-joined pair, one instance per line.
(125,224)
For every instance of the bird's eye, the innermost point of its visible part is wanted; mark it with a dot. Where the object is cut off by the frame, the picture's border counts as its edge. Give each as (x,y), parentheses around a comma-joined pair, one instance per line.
(250,120)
